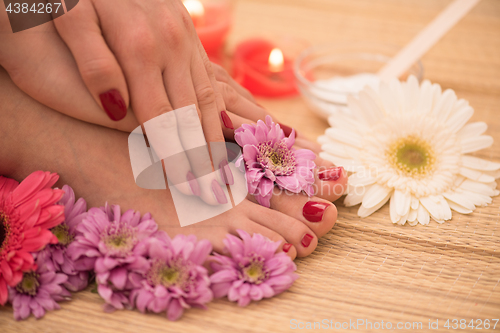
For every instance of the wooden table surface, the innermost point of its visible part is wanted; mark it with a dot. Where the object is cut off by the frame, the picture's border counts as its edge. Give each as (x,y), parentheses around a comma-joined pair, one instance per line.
(366,269)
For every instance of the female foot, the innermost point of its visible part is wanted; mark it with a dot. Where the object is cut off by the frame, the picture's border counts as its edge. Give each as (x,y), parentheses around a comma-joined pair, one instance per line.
(94,161)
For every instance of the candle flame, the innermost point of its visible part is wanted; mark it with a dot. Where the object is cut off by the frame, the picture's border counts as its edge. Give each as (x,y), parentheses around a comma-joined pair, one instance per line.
(276,60)
(194,7)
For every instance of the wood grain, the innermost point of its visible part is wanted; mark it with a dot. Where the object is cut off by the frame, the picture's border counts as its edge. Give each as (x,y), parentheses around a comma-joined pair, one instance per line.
(367,268)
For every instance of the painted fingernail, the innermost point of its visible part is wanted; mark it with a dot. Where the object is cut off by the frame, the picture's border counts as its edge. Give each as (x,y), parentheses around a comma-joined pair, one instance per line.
(218,192)
(114,105)
(225,173)
(287,130)
(331,174)
(306,240)
(226,120)
(193,183)
(286,247)
(313,211)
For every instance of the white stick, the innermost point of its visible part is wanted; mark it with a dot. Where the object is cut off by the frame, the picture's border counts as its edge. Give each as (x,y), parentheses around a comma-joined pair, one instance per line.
(429,36)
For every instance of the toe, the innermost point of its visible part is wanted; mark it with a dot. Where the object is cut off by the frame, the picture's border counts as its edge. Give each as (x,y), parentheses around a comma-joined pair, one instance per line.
(317,214)
(330,183)
(303,240)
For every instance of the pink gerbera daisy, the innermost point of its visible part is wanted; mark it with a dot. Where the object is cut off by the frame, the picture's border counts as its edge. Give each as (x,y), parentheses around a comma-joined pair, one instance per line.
(38,291)
(253,271)
(27,212)
(270,159)
(173,279)
(109,242)
(56,254)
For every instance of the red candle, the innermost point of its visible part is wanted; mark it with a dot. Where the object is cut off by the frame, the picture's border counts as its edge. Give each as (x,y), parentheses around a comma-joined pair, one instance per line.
(260,67)
(212,20)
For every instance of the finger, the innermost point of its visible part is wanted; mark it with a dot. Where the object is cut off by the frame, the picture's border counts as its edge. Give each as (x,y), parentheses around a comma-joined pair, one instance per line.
(239,105)
(153,109)
(212,120)
(221,75)
(96,63)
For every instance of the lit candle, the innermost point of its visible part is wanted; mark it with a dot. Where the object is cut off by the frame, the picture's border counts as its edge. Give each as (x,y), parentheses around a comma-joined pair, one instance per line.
(276,60)
(196,11)
(263,69)
(212,20)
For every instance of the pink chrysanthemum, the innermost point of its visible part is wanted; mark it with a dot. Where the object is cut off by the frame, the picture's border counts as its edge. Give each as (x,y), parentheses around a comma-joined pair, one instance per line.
(27,212)
(38,291)
(173,279)
(254,271)
(110,244)
(56,254)
(270,158)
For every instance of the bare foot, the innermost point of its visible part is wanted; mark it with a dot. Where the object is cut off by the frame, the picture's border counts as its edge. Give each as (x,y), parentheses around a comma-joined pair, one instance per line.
(94,161)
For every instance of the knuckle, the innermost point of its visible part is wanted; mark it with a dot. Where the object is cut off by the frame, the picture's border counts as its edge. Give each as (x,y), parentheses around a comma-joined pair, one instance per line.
(174,34)
(96,69)
(205,95)
(143,42)
(229,94)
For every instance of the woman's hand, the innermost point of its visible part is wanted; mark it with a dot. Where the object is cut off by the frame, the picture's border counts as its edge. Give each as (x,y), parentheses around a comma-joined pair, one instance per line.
(147,54)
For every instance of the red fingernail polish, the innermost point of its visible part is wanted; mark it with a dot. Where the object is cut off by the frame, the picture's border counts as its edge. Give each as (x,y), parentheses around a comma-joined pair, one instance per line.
(114,105)
(306,240)
(286,247)
(287,130)
(331,174)
(313,211)
(226,120)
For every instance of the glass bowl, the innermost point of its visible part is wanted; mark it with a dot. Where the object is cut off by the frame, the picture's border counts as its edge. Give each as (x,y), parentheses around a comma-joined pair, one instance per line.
(327,74)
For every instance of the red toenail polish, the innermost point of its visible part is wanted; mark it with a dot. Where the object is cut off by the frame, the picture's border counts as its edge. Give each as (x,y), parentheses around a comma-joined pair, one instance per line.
(313,211)
(331,174)
(113,104)
(306,240)
(287,130)
(193,184)
(225,173)
(226,120)
(286,247)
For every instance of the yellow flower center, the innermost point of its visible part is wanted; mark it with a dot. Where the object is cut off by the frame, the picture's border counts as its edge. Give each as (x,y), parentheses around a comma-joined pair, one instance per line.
(62,233)
(29,284)
(170,273)
(412,156)
(254,271)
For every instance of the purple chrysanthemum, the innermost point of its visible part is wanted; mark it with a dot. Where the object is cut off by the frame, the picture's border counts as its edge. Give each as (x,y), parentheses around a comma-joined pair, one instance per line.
(173,279)
(110,244)
(254,270)
(270,158)
(56,254)
(38,291)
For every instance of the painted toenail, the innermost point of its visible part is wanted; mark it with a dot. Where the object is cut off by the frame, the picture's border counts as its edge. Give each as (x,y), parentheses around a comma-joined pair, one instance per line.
(193,184)
(313,211)
(218,192)
(225,173)
(331,174)
(306,240)
(286,247)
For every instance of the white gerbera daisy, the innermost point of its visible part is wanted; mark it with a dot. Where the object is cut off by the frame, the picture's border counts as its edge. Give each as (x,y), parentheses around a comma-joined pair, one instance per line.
(407,144)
